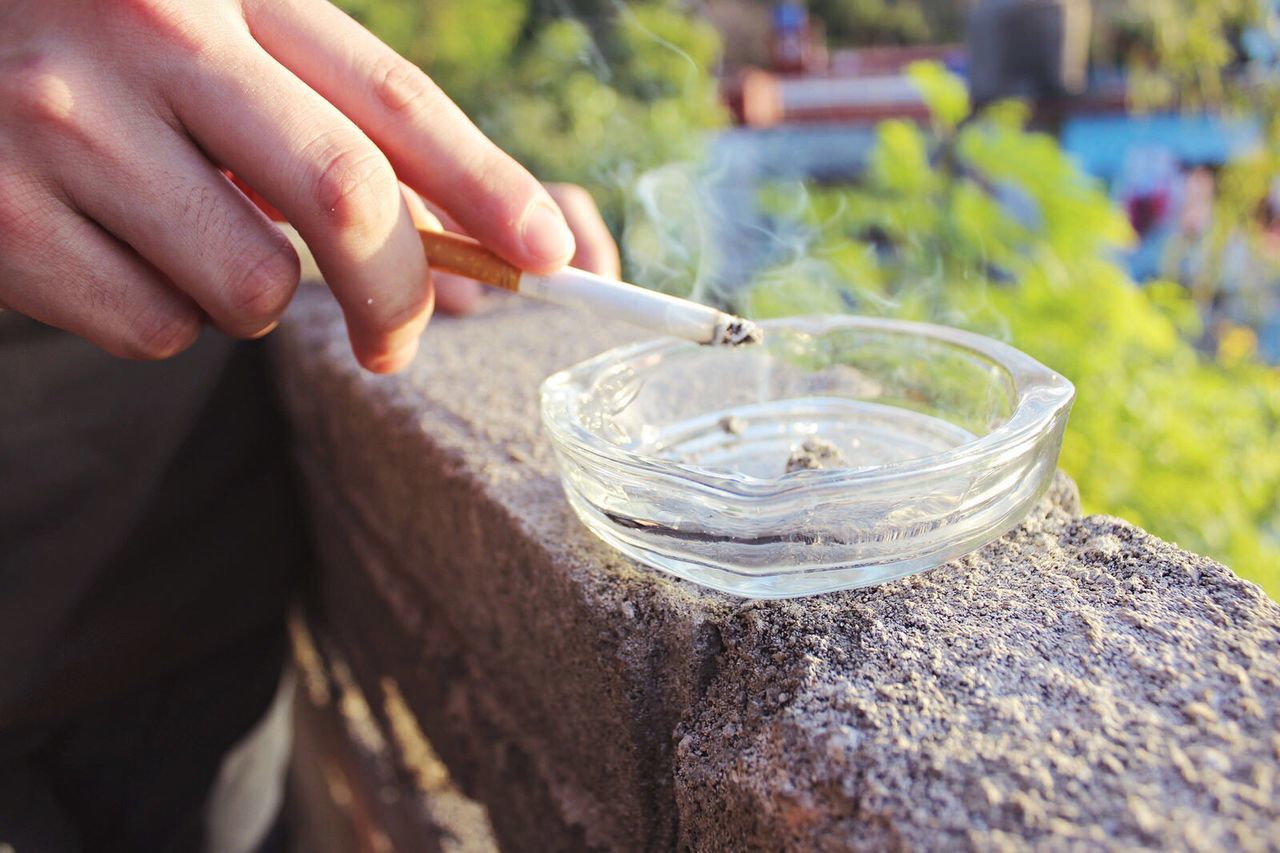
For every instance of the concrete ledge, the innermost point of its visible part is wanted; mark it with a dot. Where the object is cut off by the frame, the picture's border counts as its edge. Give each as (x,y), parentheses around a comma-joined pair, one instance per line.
(1077,682)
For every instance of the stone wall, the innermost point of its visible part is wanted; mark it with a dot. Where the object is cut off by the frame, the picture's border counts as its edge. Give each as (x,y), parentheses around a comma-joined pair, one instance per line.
(1077,682)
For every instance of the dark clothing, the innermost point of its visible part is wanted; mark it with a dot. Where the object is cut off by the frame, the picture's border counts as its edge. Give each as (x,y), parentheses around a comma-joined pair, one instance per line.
(133,773)
(149,538)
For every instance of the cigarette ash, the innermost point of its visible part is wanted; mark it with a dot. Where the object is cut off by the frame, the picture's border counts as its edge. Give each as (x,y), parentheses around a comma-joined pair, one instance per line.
(815,454)
(737,332)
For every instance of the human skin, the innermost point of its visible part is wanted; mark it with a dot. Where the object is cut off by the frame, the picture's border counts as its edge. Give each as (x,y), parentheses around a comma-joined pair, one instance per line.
(595,249)
(119,119)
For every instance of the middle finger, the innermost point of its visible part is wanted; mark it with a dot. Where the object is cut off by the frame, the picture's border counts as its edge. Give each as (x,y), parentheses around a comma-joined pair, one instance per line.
(332,184)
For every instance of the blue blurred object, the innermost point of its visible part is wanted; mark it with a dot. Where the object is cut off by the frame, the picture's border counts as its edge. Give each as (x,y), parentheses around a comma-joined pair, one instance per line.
(748,159)
(1100,143)
(1269,340)
(1149,188)
(1139,158)
(789,17)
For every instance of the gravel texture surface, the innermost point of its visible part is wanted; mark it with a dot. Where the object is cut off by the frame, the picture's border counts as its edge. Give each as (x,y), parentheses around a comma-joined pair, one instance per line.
(1075,684)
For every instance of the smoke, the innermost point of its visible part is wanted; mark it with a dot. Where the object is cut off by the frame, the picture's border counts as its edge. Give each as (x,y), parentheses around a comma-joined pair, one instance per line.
(735,230)
(738,219)
(631,19)
(669,239)
(597,61)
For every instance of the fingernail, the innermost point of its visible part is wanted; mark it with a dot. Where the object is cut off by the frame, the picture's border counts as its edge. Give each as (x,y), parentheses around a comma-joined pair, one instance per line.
(396,360)
(545,234)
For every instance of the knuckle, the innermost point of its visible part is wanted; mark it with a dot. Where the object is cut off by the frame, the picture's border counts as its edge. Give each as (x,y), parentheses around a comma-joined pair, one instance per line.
(162,334)
(399,84)
(348,183)
(262,285)
(41,93)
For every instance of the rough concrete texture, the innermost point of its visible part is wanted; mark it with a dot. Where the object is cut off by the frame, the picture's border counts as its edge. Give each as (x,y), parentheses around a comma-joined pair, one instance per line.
(1077,683)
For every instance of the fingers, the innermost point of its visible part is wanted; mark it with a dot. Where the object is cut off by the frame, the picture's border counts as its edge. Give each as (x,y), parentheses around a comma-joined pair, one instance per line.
(61,269)
(454,294)
(457,295)
(433,146)
(597,252)
(162,197)
(424,218)
(332,184)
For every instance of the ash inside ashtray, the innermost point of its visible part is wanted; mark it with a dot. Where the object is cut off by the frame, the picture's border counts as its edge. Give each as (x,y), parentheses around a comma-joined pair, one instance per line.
(815,454)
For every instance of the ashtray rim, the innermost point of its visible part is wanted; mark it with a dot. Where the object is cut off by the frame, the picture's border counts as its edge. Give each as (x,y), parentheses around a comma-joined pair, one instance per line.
(1040,395)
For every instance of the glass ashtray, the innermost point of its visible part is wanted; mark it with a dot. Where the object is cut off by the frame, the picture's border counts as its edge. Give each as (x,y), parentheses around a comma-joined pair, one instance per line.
(841,452)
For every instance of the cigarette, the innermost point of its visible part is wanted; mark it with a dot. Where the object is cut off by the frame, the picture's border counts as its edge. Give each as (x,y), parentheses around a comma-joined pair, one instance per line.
(601,296)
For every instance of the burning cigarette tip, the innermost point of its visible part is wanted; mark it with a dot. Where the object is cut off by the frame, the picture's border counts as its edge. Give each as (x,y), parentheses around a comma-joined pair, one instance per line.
(737,332)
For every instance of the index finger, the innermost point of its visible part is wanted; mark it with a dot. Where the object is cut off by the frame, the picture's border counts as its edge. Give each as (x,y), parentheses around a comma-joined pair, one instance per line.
(433,146)
(331,182)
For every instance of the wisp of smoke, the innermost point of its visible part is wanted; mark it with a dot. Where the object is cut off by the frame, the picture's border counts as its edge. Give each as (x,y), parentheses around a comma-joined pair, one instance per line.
(698,228)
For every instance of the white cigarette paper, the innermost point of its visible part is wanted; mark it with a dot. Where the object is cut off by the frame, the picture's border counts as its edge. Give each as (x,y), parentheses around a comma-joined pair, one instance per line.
(657,311)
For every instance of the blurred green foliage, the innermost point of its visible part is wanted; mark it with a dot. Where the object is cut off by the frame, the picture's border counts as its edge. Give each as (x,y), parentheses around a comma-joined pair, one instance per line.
(1191,55)
(881,22)
(878,22)
(984,225)
(1177,51)
(595,93)
(979,224)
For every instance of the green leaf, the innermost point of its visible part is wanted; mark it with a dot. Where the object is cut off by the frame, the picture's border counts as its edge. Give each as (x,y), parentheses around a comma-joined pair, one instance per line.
(900,160)
(945,95)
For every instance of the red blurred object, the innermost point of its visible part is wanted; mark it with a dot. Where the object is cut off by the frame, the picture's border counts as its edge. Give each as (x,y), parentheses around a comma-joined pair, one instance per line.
(871,61)
(860,86)
(761,99)
(1147,210)
(791,39)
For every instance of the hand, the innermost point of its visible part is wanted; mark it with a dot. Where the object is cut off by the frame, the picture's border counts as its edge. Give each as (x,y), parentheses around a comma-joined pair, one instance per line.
(117,223)
(596,251)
